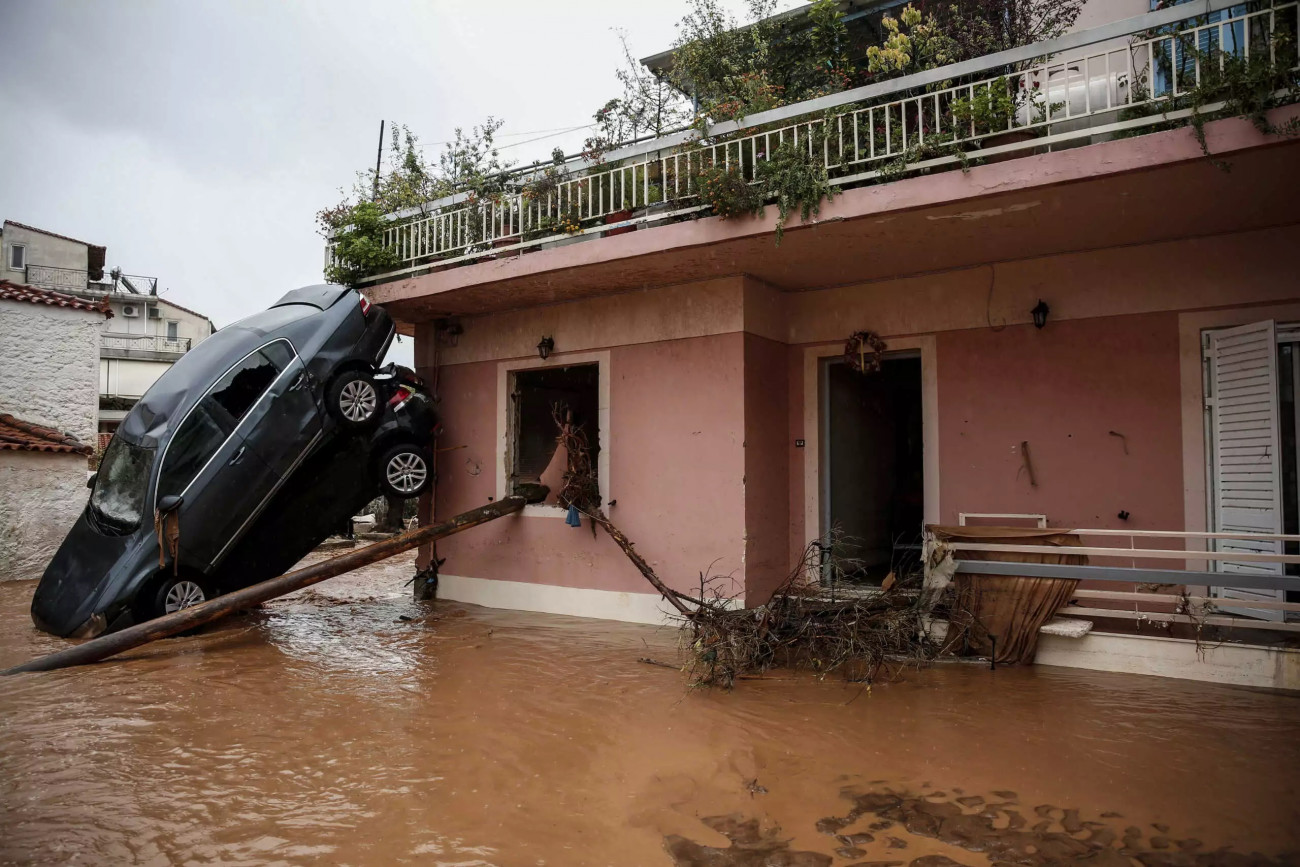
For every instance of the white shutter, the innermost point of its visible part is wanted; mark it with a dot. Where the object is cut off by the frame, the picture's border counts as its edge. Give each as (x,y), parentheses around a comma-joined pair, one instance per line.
(1246,451)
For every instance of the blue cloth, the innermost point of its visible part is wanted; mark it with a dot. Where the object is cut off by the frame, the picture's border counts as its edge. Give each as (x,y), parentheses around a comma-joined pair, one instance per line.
(574,518)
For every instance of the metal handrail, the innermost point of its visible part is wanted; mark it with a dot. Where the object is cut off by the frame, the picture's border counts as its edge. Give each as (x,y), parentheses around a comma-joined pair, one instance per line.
(881,124)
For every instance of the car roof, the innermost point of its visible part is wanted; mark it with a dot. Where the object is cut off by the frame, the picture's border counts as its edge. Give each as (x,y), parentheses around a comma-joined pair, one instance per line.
(185,383)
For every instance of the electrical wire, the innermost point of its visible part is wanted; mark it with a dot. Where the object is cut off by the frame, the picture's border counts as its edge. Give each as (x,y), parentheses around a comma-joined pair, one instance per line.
(543,133)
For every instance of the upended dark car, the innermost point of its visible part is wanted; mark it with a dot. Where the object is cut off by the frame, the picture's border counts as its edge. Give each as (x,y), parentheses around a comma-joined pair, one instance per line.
(261,441)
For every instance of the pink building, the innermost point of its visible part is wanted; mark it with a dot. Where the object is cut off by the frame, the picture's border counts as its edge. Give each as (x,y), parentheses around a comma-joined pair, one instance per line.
(1157,391)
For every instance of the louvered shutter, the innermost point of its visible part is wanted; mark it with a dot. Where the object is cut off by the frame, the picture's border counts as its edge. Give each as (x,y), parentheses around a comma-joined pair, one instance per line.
(1246,451)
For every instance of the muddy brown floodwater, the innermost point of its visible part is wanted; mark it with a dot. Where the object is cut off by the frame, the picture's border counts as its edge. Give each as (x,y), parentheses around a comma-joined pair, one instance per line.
(348,725)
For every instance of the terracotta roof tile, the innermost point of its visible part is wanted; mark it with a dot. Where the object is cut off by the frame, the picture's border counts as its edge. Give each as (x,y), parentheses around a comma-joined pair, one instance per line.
(19,435)
(18,292)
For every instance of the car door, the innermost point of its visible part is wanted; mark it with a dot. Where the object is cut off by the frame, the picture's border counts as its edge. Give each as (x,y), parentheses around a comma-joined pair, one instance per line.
(282,427)
(208,464)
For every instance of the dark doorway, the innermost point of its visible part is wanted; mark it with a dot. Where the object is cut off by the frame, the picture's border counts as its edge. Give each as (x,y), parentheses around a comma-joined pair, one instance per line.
(874,466)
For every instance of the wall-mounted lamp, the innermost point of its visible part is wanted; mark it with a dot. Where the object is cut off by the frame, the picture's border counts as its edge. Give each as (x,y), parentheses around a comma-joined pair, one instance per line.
(1039,313)
(547,344)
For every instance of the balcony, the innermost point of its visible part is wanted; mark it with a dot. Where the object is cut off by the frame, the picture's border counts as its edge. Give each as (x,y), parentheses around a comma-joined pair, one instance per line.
(1124,79)
(143,346)
(58,279)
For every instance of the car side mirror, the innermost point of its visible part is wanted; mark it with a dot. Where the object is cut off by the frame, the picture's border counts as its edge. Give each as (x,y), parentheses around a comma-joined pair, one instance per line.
(170,503)
(90,482)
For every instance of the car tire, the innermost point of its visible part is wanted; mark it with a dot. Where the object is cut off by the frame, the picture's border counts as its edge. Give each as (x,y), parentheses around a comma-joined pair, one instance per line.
(174,593)
(405,471)
(354,399)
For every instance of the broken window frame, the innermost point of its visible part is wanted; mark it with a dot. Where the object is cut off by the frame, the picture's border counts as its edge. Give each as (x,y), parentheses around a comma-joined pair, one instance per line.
(515,422)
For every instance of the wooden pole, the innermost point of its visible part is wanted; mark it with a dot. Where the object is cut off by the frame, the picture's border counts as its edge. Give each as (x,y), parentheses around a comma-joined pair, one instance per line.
(214,609)
(379,159)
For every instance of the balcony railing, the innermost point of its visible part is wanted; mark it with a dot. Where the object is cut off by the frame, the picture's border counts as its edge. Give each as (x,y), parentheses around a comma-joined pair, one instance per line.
(58,279)
(145,343)
(1119,78)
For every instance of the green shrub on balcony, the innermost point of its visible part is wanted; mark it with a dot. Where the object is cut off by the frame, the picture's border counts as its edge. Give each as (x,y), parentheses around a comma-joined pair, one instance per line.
(358,244)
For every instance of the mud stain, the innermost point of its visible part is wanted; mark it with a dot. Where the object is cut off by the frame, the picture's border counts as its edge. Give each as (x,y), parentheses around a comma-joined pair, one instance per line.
(349,725)
(999,835)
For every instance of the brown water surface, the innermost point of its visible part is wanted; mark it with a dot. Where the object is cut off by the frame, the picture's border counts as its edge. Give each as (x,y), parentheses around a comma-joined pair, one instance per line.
(348,725)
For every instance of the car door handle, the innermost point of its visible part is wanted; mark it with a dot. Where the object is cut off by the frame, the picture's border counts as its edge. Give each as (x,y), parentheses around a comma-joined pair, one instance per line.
(239,456)
(300,382)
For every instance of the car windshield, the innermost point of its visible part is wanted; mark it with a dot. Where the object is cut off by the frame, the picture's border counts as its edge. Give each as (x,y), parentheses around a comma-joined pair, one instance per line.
(121,486)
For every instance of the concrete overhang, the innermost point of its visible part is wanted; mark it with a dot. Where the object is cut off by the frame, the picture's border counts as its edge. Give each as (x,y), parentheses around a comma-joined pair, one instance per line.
(1139,190)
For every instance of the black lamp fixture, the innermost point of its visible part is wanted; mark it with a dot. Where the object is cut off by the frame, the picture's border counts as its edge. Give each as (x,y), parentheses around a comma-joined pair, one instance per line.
(545,346)
(1039,313)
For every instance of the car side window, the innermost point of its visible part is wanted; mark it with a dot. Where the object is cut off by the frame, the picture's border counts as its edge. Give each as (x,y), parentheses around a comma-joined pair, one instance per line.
(240,388)
(193,444)
(280,353)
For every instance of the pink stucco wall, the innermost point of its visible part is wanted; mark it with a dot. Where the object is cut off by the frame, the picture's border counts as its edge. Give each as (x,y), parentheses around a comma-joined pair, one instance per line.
(1063,389)
(677,466)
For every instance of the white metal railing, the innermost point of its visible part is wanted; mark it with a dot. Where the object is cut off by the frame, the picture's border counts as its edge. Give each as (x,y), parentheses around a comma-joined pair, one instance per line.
(1140,66)
(145,343)
(1122,547)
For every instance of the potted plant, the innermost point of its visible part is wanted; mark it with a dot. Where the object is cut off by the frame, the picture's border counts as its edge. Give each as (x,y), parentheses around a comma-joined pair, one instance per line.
(614,186)
(990,114)
(725,191)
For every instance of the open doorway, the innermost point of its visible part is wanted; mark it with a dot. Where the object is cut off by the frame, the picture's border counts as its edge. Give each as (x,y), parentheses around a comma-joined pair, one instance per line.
(874,490)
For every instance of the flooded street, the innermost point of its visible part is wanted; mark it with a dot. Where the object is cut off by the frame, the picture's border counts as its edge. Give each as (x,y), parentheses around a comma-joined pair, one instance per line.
(348,725)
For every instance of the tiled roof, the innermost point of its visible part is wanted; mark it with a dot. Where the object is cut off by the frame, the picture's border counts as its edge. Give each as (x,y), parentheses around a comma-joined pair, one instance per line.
(17,292)
(19,435)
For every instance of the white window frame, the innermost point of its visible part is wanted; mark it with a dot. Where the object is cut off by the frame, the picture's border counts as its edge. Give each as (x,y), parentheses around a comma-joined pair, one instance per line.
(168,326)
(10,263)
(505,441)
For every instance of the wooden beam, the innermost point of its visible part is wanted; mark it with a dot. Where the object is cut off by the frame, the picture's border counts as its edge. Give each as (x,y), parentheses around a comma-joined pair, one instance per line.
(214,609)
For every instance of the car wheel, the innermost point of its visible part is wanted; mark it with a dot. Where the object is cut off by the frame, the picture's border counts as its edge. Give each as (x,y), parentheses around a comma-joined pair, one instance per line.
(177,592)
(354,399)
(404,472)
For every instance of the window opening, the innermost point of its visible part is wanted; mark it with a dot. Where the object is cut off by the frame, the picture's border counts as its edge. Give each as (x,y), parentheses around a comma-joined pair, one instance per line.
(535,397)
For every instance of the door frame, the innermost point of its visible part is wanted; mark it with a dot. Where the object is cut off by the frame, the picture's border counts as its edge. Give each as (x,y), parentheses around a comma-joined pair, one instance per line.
(816,429)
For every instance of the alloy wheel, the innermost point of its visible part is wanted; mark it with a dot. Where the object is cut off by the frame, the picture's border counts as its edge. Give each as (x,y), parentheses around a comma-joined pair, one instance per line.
(182,594)
(406,472)
(358,400)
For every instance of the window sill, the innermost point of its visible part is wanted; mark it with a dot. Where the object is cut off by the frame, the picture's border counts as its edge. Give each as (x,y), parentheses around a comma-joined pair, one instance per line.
(544,510)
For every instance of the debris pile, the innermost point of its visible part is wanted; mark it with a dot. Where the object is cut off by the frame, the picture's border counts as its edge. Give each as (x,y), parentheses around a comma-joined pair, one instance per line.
(809,622)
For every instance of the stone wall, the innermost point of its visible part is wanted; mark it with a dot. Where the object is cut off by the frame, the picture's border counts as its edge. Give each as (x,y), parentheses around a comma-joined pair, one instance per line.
(41,495)
(53,379)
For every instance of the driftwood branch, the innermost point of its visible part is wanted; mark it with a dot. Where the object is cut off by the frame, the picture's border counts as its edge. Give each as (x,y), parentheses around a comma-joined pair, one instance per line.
(639,562)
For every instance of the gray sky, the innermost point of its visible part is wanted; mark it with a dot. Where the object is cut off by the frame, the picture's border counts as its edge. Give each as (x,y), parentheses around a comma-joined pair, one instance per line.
(197,139)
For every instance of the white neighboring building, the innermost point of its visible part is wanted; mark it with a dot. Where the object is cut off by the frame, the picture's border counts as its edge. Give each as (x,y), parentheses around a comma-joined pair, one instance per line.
(48,416)
(146,334)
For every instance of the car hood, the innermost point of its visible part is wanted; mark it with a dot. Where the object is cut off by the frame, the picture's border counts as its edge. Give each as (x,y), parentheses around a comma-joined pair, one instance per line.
(89,575)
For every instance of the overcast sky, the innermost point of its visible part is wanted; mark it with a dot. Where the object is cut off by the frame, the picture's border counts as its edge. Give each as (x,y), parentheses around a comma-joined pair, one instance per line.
(197,139)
